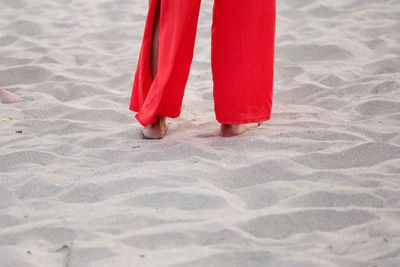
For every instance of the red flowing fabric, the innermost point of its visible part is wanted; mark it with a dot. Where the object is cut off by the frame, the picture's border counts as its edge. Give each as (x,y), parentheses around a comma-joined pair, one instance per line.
(242,60)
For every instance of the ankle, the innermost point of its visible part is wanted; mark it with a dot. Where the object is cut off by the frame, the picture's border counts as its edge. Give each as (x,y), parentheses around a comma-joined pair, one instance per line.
(161,119)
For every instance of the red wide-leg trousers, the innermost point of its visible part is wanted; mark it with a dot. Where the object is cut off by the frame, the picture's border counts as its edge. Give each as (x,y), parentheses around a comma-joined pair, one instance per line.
(242,60)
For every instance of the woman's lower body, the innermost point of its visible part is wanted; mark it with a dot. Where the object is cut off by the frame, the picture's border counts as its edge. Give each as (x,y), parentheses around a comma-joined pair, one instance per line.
(242,59)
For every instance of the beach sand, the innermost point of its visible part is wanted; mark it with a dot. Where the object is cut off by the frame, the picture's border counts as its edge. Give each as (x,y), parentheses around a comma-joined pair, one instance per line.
(317,185)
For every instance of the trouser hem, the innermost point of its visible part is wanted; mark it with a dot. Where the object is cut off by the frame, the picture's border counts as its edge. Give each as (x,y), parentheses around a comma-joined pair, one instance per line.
(244,121)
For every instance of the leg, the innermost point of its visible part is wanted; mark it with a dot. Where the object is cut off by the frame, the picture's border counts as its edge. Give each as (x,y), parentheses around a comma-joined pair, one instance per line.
(158,89)
(243,36)
(158,129)
(7,97)
(155,42)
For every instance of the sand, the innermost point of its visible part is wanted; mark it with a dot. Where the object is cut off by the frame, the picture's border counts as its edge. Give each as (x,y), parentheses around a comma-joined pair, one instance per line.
(317,185)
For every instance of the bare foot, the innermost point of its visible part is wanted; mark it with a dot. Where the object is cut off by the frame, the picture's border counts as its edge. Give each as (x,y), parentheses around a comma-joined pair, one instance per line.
(228,130)
(156,130)
(7,97)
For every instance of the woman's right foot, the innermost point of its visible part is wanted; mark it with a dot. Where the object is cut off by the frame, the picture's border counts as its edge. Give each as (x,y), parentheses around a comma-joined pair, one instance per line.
(156,130)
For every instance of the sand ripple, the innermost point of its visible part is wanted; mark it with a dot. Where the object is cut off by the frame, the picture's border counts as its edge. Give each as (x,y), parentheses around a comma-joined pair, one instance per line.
(317,185)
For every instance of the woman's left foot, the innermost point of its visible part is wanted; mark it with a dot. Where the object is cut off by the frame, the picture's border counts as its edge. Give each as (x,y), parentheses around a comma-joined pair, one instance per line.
(7,97)
(228,130)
